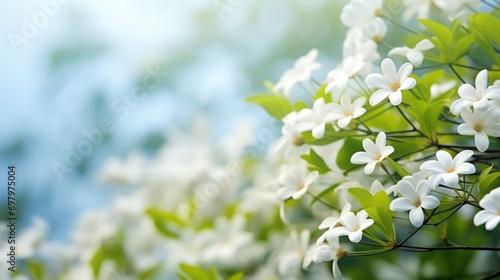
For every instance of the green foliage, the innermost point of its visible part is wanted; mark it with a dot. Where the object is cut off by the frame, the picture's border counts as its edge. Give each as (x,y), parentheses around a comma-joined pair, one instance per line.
(484,29)
(276,106)
(36,269)
(315,162)
(351,146)
(191,272)
(488,181)
(167,223)
(426,115)
(377,207)
(398,168)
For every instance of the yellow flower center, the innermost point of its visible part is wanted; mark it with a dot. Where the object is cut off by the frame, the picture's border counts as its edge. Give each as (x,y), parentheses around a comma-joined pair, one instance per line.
(301,186)
(478,127)
(450,169)
(298,141)
(395,86)
(417,203)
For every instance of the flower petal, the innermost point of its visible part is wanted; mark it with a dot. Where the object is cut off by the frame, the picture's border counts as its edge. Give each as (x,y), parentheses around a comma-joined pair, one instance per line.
(417,216)
(401,204)
(482,141)
(379,95)
(430,202)
(389,70)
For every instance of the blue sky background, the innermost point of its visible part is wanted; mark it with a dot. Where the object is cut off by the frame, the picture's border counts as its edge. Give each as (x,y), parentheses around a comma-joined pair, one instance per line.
(89,53)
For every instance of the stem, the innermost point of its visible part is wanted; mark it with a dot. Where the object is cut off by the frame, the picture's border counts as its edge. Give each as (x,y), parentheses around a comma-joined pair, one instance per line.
(456,74)
(448,248)
(322,202)
(408,121)
(388,173)
(399,25)
(473,68)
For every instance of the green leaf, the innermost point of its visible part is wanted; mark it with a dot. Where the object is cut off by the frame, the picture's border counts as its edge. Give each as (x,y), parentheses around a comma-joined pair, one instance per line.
(299,105)
(398,168)
(377,207)
(322,94)
(315,162)
(36,269)
(351,146)
(488,182)
(426,115)
(237,276)
(276,106)
(462,46)
(194,272)
(324,193)
(382,202)
(484,28)
(442,33)
(167,223)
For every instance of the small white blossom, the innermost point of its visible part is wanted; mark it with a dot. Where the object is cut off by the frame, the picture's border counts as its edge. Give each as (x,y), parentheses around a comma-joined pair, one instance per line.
(296,182)
(300,72)
(348,110)
(480,124)
(325,253)
(339,77)
(414,55)
(445,170)
(291,143)
(315,119)
(353,226)
(391,83)
(477,97)
(375,153)
(416,8)
(359,12)
(491,213)
(330,223)
(414,200)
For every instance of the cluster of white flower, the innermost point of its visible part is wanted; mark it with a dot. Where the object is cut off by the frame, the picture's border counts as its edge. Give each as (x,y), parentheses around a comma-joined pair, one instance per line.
(341,109)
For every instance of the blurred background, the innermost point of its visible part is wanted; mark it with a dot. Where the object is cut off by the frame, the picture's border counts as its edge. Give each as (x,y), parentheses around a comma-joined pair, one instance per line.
(85,81)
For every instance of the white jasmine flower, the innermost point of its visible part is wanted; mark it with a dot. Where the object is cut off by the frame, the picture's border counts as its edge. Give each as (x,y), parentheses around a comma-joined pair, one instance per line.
(296,182)
(491,210)
(375,30)
(480,124)
(315,119)
(445,170)
(353,226)
(339,77)
(456,8)
(358,12)
(300,72)
(414,55)
(414,200)
(391,83)
(296,248)
(291,142)
(330,223)
(325,253)
(477,97)
(375,153)
(348,110)
(416,9)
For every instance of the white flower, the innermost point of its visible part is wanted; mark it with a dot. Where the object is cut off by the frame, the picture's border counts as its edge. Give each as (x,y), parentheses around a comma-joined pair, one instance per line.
(295,182)
(416,8)
(291,142)
(375,153)
(353,226)
(414,200)
(296,248)
(330,223)
(347,111)
(359,12)
(325,253)
(445,170)
(477,97)
(315,119)
(480,124)
(414,55)
(491,213)
(300,72)
(339,77)
(391,82)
